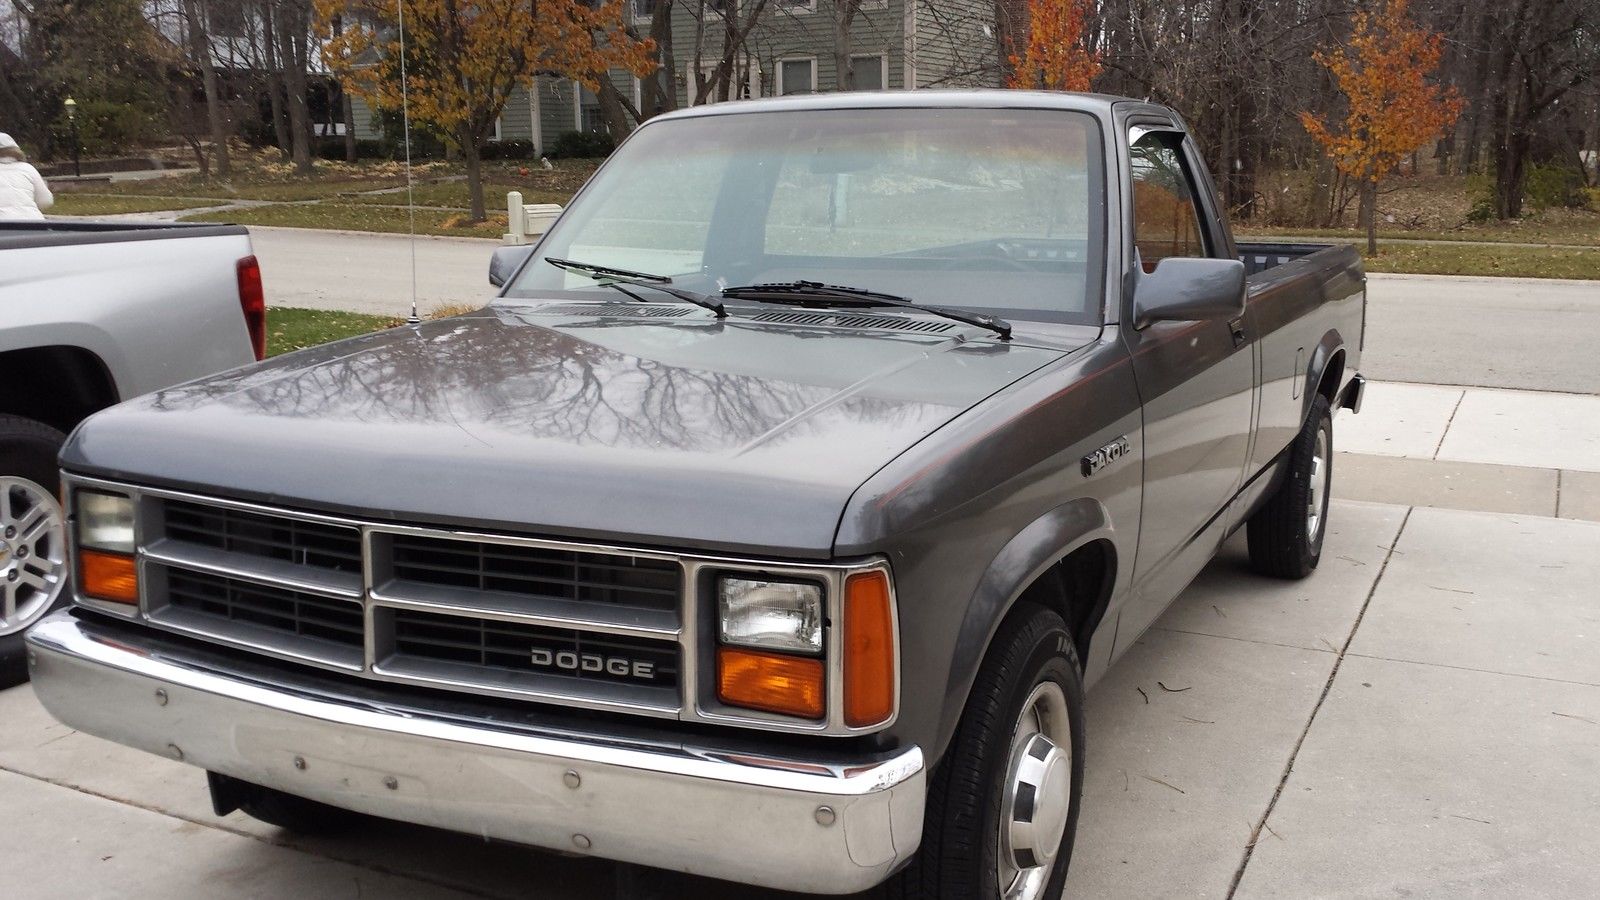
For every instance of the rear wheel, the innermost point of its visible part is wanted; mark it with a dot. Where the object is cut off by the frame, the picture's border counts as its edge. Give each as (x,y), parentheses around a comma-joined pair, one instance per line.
(1003,804)
(1286,534)
(33,537)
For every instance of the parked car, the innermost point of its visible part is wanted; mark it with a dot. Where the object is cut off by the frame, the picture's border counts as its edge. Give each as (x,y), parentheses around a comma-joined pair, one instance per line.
(770,525)
(92,313)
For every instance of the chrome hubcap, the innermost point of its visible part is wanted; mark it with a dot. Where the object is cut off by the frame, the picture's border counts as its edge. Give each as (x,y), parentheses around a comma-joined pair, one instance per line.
(33,552)
(1320,473)
(1038,795)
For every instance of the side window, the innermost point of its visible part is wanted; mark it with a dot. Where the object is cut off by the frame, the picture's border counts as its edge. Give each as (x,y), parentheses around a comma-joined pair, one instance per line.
(1166,220)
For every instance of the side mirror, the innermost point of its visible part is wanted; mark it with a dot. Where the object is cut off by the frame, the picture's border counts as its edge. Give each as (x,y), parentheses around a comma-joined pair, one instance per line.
(506,261)
(1187,289)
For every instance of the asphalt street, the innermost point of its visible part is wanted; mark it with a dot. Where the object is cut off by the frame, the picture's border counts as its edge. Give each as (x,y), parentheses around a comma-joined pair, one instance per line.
(1524,333)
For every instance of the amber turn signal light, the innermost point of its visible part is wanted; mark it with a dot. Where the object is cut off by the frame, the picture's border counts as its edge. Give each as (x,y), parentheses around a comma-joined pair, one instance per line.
(108,576)
(771,682)
(868,650)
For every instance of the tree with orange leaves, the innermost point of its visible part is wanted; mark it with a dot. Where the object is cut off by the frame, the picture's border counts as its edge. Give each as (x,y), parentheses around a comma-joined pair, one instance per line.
(463,58)
(1057,57)
(1392,108)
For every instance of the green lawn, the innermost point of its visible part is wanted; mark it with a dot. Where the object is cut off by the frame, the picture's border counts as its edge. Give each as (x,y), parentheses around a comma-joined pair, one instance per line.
(295,329)
(1577,229)
(1481,259)
(355,217)
(76,204)
(260,188)
(453,194)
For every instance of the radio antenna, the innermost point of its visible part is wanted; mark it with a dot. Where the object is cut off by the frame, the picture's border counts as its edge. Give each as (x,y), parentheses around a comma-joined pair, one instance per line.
(405,131)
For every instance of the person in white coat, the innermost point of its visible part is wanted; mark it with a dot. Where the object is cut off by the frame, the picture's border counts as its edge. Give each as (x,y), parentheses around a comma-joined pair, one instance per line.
(23,193)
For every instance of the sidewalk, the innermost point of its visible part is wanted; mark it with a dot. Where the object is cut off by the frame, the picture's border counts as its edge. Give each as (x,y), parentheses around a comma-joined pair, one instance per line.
(1528,452)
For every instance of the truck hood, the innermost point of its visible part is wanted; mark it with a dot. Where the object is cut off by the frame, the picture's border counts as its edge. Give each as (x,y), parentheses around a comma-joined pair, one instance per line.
(594,421)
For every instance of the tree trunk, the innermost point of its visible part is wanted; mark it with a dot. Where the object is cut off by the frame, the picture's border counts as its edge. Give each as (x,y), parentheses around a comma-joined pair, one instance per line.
(1369,214)
(346,109)
(1322,177)
(200,55)
(844,70)
(613,111)
(349,111)
(469,154)
(292,51)
(280,120)
(1511,173)
(660,90)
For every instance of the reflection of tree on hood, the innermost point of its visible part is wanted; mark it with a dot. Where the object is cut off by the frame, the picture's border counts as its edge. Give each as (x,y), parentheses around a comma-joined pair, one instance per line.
(530,380)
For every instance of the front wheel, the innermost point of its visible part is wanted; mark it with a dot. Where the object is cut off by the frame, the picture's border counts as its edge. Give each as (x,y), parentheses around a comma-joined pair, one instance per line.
(1003,804)
(1286,534)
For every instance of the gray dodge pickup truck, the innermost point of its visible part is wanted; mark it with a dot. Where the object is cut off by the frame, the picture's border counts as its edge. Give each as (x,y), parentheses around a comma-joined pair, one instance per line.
(770,525)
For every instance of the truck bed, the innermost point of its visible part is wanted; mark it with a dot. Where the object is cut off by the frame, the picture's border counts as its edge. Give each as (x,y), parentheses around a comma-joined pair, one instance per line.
(56,233)
(1259,257)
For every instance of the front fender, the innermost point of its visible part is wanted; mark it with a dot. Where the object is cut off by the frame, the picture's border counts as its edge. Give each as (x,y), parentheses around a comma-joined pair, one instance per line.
(1042,544)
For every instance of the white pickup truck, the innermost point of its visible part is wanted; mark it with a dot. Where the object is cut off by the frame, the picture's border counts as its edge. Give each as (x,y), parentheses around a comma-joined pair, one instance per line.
(92,313)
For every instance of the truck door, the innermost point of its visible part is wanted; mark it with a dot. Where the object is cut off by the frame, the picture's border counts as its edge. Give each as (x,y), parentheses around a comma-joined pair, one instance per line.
(1196,381)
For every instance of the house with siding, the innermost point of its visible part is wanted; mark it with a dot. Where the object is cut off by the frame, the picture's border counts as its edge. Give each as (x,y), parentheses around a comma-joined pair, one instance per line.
(894,45)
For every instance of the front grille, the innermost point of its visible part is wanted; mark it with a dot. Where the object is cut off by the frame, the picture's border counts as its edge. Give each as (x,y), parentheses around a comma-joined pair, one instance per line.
(538,572)
(537,619)
(316,544)
(270,607)
(516,647)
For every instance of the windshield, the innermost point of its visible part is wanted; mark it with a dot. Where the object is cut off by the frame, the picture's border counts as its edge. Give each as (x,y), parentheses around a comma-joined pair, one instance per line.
(996,210)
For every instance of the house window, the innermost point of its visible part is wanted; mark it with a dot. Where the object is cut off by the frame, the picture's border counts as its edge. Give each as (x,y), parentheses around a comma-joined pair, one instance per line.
(796,6)
(871,72)
(797,76)
(498,133)
(589,115)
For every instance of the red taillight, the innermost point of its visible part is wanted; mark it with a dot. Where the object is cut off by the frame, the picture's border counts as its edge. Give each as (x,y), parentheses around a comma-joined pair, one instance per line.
(254,304)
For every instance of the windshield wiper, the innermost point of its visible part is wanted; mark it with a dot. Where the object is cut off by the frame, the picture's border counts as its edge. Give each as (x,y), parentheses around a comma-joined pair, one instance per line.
(615,278)
(837,295)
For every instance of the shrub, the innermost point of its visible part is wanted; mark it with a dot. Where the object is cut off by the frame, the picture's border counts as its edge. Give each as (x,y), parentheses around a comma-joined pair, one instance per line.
(1550,187)
(106,128)
(507,150)
(581,144)
(332,148)
(425,144)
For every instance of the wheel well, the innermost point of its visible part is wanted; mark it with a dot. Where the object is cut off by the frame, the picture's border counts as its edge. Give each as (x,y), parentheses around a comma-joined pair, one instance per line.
(59,385)
(1078,588)
(1332,377)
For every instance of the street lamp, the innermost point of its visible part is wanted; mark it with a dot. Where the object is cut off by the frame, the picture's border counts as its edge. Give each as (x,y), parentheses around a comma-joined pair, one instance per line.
(72,119)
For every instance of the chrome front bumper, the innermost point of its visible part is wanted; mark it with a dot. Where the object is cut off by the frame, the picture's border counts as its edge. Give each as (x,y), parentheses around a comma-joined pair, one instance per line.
(803,825)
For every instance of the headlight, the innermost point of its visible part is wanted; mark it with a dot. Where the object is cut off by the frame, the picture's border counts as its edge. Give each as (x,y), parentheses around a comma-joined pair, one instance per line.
(107,569)
(770,615)
(105,521)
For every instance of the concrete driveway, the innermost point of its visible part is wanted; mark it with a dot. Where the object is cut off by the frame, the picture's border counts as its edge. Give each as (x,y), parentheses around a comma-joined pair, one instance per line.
(1420,718)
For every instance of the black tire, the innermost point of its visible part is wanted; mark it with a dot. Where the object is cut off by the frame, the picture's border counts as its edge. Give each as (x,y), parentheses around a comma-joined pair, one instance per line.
(28,449)
(959,856)
(1283,542)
